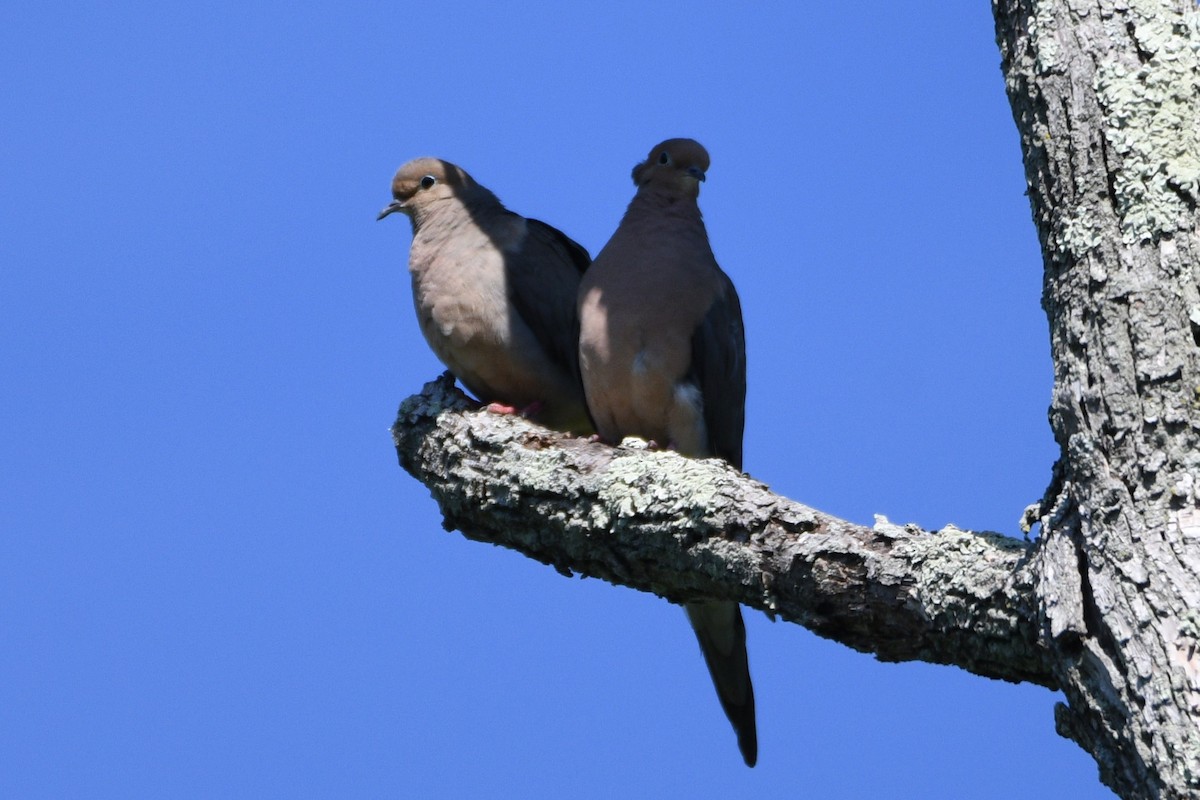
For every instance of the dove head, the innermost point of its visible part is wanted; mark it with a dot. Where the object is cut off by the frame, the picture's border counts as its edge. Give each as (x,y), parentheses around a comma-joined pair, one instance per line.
(675,166)
(422,183)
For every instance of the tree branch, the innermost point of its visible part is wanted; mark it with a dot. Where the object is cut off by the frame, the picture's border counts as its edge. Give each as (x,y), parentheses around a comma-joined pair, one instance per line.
(686,529)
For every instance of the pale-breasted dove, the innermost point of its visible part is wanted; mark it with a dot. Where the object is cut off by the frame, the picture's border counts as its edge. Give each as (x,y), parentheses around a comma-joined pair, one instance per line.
(663,357)
(494,293)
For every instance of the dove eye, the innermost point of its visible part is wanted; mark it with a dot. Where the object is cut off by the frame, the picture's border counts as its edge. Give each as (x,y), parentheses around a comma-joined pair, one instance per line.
(428,181)
(665,158)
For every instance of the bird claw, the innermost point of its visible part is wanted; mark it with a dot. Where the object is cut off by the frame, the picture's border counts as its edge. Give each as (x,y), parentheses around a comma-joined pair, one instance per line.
(500,408)
(528,411)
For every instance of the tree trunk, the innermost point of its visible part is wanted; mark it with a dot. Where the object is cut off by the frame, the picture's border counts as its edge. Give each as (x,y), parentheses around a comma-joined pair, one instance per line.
(1106,96)
(1106,605)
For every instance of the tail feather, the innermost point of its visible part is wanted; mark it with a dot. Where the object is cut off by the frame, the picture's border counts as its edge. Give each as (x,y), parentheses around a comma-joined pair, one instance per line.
(722,636)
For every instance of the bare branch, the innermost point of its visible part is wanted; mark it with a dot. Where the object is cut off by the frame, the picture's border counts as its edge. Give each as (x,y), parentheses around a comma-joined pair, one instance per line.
(685,528)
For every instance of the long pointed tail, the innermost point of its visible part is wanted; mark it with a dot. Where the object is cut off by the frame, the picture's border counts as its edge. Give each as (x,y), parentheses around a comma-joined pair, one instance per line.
(722,635)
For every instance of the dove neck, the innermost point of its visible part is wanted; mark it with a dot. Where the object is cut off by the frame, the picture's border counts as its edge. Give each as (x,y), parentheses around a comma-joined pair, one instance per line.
(671,208)
(476,202)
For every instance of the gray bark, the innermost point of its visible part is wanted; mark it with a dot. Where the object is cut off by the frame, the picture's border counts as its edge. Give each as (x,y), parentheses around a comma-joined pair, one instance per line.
(1106,96)
(1106,605)
(688,529)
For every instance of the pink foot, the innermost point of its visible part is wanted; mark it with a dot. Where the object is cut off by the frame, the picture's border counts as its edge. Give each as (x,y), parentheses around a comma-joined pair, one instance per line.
(500,408)
(528,411)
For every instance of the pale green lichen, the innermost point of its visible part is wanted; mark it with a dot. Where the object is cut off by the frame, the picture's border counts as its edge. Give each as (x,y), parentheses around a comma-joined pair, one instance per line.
(634,486)
(1189,624)
(1152,120)
(952,562)
(1043,31)
(1079,234)
(542,470)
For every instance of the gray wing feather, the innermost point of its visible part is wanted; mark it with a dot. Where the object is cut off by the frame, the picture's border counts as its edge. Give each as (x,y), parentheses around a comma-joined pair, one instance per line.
(543,283)
(719,370)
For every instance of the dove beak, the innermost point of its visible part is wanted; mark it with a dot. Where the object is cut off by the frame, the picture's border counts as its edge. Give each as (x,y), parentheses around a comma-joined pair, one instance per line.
(696,173)
(390,208)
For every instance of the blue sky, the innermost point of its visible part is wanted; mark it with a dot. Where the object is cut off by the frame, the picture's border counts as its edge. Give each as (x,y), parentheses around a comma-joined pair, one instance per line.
(214,579)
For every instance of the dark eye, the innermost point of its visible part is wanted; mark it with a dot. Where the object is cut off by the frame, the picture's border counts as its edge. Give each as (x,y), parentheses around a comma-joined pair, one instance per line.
(428,181)
(665,158)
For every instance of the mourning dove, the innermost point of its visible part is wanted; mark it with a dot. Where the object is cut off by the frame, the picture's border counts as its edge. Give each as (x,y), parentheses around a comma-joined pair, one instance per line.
(494,293)
(663,357)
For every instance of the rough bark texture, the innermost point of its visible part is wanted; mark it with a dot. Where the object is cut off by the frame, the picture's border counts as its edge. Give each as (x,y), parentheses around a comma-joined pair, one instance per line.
(1106,606)
(687,529)
(1106,96)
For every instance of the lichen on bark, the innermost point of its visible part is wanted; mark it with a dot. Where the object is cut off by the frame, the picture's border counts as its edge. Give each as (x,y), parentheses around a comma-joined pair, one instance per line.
(687,529)
(1106,98)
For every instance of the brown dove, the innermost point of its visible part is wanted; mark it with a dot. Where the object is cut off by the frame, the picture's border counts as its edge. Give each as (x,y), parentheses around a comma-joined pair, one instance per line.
(494,293)
(663,357)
